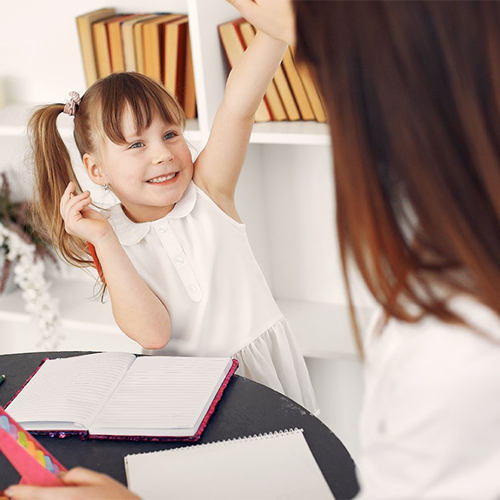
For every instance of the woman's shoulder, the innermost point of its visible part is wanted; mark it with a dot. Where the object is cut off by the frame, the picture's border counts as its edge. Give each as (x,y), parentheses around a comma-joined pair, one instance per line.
(448,359)
(481,326)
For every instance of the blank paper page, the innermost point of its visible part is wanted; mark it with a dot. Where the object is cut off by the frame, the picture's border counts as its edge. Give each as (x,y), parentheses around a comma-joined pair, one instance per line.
(272,466)
(69,390)
(162,393)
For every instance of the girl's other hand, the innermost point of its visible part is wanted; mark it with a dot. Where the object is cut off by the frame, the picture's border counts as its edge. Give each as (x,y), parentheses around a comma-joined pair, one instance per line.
(81,484)
(80,219)
(273,17)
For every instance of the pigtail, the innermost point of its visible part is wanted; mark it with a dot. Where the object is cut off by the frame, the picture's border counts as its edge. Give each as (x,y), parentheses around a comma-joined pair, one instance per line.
(53,171)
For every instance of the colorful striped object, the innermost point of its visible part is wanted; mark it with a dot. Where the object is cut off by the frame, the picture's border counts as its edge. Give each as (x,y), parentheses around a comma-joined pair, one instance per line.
(33,462)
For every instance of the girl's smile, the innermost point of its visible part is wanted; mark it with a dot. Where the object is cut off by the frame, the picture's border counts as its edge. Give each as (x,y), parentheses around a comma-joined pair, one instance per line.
(163,179)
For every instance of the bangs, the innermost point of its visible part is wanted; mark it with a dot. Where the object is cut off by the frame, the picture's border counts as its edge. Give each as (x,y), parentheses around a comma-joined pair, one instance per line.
(144,98)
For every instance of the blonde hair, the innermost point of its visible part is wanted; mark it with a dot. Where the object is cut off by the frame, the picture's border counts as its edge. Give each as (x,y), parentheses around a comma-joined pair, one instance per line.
(98,115)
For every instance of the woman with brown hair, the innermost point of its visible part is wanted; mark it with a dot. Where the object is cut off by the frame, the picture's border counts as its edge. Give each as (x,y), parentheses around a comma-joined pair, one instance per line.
(411,94)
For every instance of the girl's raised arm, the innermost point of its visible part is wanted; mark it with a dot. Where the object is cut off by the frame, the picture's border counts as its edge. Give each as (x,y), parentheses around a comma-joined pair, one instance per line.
(218,166)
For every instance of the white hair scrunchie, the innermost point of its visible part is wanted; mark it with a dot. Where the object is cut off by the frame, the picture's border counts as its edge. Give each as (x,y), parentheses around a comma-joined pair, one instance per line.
(70,106)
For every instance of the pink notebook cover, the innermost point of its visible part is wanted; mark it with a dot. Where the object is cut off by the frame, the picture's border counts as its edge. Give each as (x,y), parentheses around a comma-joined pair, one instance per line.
(85,434)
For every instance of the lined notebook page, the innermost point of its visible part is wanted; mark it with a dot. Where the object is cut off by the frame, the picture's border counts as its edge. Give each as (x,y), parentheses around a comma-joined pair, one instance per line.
(69,390)
(163,393)
(271,466)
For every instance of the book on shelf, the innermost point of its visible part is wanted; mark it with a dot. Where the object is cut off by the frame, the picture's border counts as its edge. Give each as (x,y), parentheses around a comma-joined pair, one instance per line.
(118,395)
(174,56)
(113,28)
(101,46)
(153,33)
(84,25)
(297,86)
(189,98)
(267,466)
(157,45)
(139,42)
(128,42)
(311,90)
(234,47)
(272,96)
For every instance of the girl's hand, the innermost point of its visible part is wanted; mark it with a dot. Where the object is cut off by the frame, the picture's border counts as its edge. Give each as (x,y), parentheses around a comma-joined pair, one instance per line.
(81,484)
(79,219)
(273,17)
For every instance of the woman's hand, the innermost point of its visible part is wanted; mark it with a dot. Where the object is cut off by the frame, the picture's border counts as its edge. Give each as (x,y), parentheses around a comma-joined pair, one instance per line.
(273,17)
(80,484)
(80,219)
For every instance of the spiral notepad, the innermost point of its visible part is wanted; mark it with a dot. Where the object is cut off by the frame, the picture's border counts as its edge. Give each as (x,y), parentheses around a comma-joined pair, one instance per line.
(268,466)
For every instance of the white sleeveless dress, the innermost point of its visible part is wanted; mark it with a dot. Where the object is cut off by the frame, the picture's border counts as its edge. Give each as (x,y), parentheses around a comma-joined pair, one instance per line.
(198,261)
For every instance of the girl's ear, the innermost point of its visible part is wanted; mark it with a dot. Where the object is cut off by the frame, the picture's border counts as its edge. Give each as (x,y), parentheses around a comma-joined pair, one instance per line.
(93,170)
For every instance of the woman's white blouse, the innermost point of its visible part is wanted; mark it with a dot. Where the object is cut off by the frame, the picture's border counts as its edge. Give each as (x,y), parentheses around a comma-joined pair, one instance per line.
(430,427)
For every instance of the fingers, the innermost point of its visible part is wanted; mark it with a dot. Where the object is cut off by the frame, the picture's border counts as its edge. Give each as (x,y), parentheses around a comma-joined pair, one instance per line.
(47,493)
(81,484)
(80,475)
(273,17)
(32,493)
(70,202)
(246,8)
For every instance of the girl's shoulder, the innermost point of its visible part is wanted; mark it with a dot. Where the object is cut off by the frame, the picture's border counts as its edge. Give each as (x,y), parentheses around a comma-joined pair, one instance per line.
(225,210)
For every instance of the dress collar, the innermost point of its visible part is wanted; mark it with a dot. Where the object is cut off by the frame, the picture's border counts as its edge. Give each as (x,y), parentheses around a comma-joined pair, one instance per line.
(130,233)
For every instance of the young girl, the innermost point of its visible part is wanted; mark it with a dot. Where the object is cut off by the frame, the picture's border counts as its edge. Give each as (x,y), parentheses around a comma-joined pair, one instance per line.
(174,253)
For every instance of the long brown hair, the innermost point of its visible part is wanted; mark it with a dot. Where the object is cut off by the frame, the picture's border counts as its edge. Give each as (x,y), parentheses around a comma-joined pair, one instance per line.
(98,115)
(411,91)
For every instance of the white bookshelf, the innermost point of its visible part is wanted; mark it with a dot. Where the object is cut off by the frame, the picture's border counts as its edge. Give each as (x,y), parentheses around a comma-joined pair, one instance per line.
(285,194)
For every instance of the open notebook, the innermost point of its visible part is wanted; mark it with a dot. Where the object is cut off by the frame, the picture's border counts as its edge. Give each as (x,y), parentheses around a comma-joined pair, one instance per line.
(116,395)
(269,466)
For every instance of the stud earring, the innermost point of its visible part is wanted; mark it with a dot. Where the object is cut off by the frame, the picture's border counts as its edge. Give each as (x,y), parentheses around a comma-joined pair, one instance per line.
(105,187)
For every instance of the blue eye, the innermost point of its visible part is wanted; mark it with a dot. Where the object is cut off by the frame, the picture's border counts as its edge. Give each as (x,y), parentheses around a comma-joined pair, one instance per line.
(169,135)
(136,145)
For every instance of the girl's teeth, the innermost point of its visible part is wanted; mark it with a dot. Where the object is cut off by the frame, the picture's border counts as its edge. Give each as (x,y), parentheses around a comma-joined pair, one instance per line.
(162,179)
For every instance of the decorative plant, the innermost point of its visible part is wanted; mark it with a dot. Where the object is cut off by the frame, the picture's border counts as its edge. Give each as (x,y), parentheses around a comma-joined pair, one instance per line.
(24,250)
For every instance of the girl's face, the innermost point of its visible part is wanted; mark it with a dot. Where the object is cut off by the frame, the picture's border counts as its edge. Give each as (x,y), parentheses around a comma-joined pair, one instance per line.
(150,172)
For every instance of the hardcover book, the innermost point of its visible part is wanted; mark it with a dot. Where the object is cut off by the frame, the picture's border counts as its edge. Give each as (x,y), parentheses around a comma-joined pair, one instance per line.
(234,47)
(118,395)
(84,24)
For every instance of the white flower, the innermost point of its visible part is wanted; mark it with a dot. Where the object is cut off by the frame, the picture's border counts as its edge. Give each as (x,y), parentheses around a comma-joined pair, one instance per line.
(29,274)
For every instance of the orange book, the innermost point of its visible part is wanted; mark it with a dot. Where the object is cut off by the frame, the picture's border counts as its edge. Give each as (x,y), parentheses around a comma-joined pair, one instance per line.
(273,98)
(189,86)
(101,45)
(139,42)
(153,33)
(297,86)
(234,47)
(280,81)
(128,42)
(311,91)
(113,28)
(286,94)
(84,24)
(174,57)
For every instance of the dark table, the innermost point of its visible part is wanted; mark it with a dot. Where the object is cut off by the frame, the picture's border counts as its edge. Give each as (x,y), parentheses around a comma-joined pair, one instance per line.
(246,408)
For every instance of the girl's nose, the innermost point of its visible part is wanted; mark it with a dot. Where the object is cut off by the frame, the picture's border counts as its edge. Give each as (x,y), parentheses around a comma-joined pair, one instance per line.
(163,155)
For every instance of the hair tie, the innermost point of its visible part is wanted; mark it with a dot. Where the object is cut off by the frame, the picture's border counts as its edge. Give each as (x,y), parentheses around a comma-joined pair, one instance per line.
(70,106)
